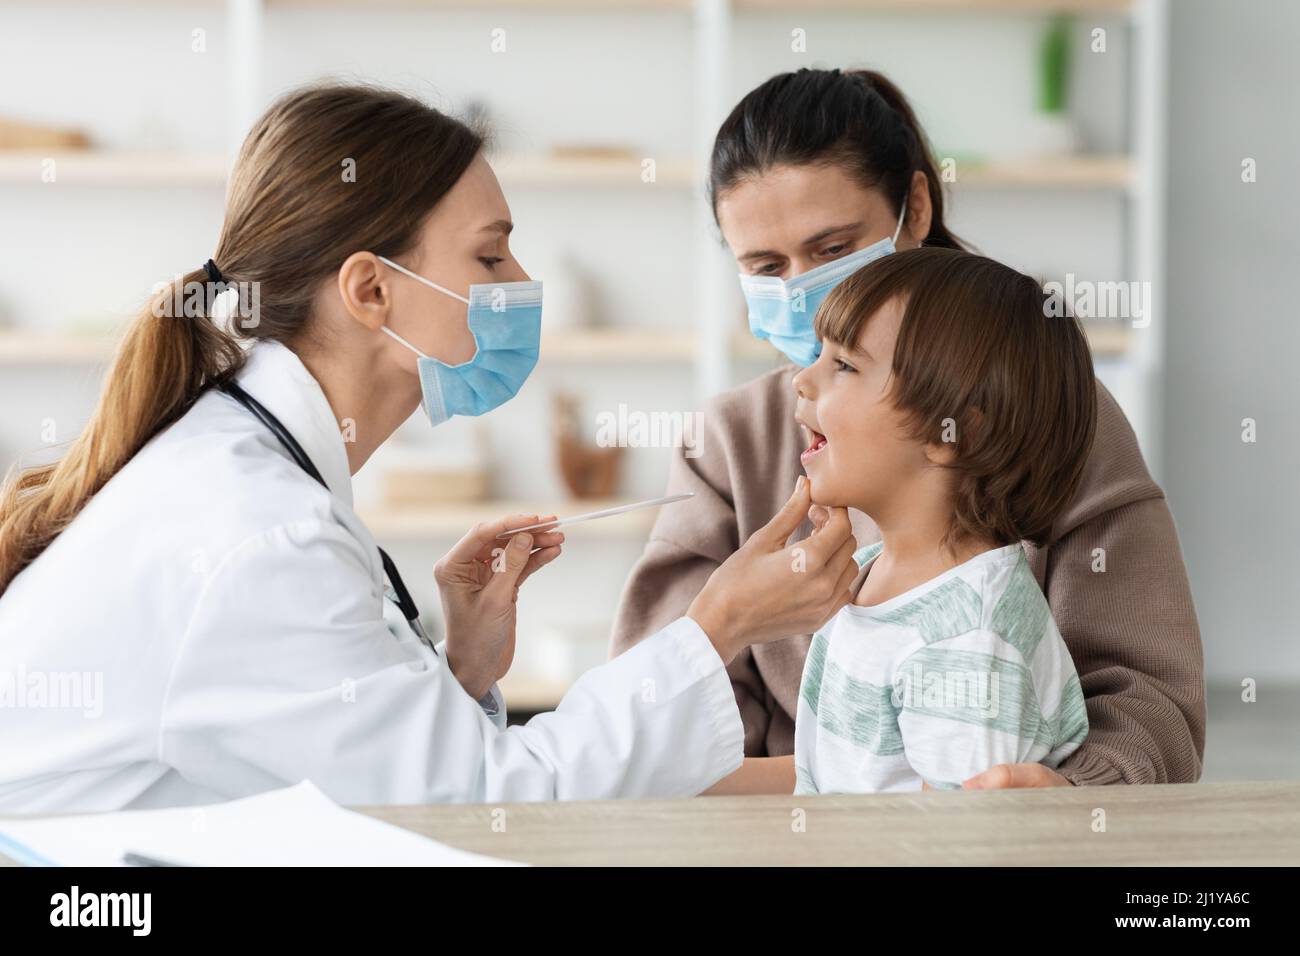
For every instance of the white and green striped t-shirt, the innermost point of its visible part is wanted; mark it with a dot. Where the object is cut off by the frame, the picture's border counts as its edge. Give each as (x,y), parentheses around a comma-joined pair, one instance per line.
(938,684)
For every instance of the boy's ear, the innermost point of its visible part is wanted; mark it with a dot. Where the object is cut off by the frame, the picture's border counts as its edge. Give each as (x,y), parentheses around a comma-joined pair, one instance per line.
(944,451)
(941,453)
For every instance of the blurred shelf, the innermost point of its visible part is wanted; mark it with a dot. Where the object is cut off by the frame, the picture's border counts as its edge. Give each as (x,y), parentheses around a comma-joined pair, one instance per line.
(94,167)
(19,347)
(531,694)
(1048,172)
(545,169)
(545,6)
(1108,339)
(617,345)
(749,349)
(113,168)
(453,519)
(832,6)
(941,6)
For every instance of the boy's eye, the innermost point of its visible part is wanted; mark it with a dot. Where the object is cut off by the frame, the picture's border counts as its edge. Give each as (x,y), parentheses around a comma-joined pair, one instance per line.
(836,251)
(490,261)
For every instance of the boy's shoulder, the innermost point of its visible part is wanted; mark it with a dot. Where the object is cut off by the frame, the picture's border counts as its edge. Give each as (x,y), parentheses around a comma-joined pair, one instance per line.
(994,592)
(1016,610)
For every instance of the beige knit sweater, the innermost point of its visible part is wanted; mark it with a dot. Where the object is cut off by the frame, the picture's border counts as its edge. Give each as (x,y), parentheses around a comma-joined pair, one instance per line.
(1131,628)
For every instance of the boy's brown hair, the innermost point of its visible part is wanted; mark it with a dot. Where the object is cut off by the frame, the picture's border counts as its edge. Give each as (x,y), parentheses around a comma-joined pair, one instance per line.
(976,346)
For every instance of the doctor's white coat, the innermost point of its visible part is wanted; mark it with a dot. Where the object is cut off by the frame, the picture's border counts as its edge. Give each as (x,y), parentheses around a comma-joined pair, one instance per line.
(230,611)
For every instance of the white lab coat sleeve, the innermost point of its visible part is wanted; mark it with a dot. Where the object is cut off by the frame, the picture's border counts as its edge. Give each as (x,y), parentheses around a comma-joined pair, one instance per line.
(493,704)
(287,672)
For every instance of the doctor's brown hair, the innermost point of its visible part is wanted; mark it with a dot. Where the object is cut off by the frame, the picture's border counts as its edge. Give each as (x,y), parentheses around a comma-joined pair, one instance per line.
(984,348)
(291,219)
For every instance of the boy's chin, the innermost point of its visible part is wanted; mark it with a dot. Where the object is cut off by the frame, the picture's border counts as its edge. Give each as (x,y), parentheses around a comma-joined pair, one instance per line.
(827,497)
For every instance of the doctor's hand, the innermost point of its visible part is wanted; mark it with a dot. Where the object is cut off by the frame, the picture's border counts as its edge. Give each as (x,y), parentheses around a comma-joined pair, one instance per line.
(478,581)
(767,591)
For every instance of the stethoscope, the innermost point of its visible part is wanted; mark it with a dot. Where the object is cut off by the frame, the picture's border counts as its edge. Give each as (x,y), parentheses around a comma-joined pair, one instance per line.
(399,594)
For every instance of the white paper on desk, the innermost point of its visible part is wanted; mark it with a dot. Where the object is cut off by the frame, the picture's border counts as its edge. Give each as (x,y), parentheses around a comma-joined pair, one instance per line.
(296,826)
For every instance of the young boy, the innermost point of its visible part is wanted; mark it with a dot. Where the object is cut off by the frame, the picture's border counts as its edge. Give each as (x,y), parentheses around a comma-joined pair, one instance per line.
(949,407)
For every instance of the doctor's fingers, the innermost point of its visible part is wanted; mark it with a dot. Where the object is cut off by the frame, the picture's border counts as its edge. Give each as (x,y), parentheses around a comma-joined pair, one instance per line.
(838,571)
(506,570)
(825,583)
(537,560)
(818,515)
(850,570)
(831,590)
(541,540)
(773,535)
(481,541)
(830,538)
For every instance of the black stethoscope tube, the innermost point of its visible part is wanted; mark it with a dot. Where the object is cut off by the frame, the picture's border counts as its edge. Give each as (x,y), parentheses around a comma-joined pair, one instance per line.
(276,427)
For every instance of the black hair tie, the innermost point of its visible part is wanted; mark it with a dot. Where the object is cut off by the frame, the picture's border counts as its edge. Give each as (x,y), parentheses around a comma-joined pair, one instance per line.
(214,274)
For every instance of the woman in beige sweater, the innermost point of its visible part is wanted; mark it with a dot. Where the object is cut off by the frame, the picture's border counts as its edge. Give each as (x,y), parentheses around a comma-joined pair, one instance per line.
(816,165)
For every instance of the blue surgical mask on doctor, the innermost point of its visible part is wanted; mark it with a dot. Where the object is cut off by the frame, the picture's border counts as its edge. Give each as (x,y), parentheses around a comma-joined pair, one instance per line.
(505,319)
(781,310)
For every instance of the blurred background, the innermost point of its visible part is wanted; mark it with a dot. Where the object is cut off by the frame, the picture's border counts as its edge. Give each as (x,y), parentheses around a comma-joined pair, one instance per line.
(1094,141)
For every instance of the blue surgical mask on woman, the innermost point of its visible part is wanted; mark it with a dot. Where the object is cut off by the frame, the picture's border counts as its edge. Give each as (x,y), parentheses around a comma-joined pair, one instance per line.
(505,319)
(781,310)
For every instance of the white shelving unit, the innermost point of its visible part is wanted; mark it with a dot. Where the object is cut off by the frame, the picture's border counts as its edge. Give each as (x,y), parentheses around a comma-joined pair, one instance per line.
(714,348)
(147,169)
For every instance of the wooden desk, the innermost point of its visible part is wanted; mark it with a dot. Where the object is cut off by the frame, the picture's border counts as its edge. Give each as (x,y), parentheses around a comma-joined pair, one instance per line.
(1243,824)
(1174,824)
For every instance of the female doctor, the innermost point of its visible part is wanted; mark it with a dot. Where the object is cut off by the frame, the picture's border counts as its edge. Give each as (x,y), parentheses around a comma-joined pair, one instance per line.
(191,611)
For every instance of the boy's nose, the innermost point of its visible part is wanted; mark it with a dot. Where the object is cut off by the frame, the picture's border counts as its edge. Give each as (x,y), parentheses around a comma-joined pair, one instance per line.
(803,383)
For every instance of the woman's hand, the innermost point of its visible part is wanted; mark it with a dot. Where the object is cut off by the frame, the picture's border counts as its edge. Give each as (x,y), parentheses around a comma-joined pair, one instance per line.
(767,591)
(478,581)
(1013,776)
(757,775)
(1008,776)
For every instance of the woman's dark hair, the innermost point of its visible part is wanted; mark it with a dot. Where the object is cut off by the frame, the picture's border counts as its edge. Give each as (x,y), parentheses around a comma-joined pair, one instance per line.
(856,119)
(985,359)
(293,215)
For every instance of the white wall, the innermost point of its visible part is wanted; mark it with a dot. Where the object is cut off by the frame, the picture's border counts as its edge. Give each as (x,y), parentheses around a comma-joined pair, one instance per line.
(1233,338)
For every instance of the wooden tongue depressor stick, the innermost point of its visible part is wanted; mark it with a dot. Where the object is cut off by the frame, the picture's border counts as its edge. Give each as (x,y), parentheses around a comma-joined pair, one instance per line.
(593,515)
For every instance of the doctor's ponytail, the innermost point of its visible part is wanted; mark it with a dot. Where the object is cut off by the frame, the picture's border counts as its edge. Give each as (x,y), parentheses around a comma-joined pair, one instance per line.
(857,119)
(160,367)
(327,170)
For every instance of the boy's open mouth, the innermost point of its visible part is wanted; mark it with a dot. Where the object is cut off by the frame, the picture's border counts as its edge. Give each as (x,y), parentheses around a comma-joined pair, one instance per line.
(818,443)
